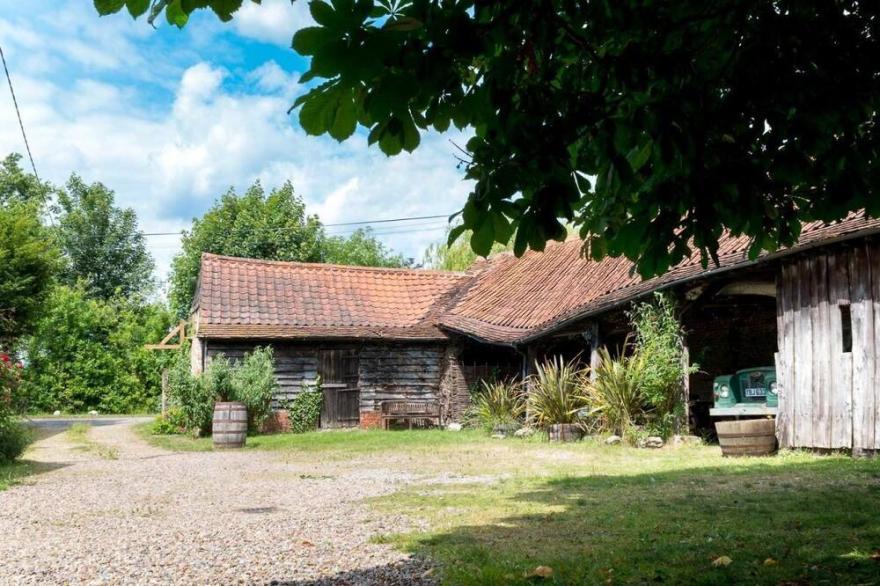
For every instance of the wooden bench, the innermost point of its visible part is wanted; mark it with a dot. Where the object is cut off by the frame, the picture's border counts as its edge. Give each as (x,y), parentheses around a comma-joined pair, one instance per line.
(410,411)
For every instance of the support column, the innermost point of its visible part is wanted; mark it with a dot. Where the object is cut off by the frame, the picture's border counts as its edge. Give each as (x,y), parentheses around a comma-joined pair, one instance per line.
(592,336)
(685,390)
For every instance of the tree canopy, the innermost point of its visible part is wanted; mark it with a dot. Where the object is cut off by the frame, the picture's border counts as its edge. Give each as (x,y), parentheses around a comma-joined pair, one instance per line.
(651,126)
(271,226)
(360,248)
(457,255)
(101,242)
(28,256)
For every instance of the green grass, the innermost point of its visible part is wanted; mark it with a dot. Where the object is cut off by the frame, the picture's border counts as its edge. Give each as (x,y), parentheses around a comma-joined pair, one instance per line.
(645,517)
(12,473)
(78,433)
(595,514)
(331,444)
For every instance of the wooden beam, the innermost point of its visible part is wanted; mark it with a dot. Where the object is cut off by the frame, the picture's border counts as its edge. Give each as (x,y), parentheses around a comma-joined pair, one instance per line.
(595,344)
(179,330)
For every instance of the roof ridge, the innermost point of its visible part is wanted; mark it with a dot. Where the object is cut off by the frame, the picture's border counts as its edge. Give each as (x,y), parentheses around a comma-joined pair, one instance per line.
(333,266)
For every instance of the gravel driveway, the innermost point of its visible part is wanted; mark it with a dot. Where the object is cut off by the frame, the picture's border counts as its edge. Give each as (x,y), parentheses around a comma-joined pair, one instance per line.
(157,517)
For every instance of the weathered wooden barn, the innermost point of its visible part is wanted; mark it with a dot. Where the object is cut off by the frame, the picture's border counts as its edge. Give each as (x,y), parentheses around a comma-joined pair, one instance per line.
(377,334)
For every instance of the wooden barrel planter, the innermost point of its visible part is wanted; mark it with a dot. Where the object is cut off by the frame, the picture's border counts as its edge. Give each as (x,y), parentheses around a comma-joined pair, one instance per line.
(749,437)
(565,432)
(230,425)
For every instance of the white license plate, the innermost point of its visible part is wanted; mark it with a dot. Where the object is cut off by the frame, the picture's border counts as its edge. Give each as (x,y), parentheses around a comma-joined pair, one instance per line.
(756,392)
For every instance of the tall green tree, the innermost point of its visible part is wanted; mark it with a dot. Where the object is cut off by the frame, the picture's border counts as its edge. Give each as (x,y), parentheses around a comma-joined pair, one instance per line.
(88,353)
(18,186)
(29,259)
(457,255)
(360,248)
(652,126)
(255,224)
(271,226)
(101,243)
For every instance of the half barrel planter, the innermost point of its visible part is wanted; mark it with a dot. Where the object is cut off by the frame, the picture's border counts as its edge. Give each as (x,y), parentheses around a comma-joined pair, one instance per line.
(748,437)
(229,429)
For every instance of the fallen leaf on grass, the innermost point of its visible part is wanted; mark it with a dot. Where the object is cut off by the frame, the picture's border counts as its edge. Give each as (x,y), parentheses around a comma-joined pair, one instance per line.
(540,572)
(722,561)
(308,543)
(770,562)
(875,555)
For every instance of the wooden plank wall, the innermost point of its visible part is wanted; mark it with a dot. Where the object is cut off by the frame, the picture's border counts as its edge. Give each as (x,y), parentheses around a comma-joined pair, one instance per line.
(830,398)
(294,365)
(402,371)
(385,371)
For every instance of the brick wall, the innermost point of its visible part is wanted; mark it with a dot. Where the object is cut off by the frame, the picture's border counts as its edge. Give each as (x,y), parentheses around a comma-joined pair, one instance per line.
(370,419)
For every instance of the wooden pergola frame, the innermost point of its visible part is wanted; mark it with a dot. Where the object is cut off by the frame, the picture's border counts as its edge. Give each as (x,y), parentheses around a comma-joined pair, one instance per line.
(179,330)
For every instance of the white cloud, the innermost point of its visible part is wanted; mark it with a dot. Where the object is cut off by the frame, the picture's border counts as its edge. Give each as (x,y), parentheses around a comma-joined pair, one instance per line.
(273,21)
(219,128)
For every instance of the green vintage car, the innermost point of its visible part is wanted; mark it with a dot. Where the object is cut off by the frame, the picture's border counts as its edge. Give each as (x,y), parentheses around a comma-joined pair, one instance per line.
(750,391)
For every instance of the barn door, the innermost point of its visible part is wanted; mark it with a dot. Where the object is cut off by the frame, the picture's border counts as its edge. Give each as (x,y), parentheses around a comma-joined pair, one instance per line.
(339,374)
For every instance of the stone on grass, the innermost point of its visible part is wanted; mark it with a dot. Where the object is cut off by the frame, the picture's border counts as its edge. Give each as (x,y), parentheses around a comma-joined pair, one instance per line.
(651,442)
(93,412)
(524,432)
(686,440)
(505,429)
(498,436)
(613,440)
(56,413)
(453,427)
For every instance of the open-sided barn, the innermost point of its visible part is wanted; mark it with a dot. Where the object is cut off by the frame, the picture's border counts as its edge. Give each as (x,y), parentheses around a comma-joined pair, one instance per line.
(375,335)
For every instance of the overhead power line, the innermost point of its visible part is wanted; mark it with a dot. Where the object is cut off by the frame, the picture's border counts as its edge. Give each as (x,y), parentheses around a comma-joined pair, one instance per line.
(27,146)
(361,223)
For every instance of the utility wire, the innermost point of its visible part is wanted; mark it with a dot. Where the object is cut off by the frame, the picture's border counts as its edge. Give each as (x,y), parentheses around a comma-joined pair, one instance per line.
(18,113)
(363,223)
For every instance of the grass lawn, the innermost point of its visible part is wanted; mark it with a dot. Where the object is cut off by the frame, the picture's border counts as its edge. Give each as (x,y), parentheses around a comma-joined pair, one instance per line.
(11,473)
(498,509)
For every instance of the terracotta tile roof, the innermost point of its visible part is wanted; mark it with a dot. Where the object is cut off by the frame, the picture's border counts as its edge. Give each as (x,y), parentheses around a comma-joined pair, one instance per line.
(269,299)
(502,300)
(513,300)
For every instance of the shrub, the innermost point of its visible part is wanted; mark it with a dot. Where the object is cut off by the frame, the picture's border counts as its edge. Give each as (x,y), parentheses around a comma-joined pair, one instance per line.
(659,345)
(89,354)
(254,384)
(173,421)
(304,410)
(615,395)
(218,379)
(14,437)
(190,395)
(555,392)
(499,403)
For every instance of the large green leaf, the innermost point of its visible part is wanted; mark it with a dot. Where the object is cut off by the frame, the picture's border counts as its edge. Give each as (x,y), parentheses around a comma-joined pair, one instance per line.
(344,118)
(137,7)
(309,40)
(324,14)
(175,14)
(105,7)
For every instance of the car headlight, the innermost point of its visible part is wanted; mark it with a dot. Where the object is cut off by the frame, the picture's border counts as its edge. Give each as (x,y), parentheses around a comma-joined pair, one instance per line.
(725,391)
(773,387)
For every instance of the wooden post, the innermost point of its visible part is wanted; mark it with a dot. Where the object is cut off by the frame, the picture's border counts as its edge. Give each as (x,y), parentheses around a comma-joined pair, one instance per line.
(595,344)
(164,390)
(685,390)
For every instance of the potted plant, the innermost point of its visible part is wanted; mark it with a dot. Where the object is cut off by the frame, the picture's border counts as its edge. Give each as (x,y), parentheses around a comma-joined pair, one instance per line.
(230,423)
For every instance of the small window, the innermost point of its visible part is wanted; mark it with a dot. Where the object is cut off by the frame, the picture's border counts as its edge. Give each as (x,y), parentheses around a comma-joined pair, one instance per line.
(846,327)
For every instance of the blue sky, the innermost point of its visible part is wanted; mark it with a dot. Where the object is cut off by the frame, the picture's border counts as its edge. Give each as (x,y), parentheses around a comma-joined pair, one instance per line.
(171,119)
